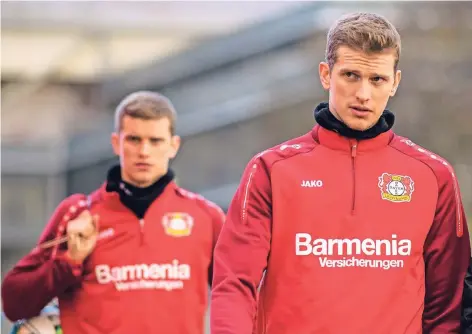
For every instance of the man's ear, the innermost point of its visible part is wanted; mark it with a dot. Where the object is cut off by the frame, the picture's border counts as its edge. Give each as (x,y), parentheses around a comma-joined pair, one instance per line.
(115,142)
(175,144)
(398,77)
(325,75)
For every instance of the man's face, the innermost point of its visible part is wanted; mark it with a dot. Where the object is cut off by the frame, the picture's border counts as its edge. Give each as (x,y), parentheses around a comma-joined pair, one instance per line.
(145,148)
(360,85)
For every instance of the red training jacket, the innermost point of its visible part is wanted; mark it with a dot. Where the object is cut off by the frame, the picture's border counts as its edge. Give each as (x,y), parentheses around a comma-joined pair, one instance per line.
(353,237)
(148,276)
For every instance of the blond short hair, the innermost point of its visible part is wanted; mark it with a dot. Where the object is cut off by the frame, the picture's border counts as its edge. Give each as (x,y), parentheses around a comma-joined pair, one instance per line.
(367,32)
(145,105)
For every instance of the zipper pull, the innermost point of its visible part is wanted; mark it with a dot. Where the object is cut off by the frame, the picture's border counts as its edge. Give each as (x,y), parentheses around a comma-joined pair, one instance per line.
(141,231)
(354,149)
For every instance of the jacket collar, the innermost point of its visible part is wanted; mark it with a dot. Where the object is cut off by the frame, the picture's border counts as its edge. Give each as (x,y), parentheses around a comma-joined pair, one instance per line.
(337,142)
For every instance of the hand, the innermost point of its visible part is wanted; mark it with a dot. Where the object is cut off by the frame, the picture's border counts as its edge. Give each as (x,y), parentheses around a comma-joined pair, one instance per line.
(23,330)
(82,233)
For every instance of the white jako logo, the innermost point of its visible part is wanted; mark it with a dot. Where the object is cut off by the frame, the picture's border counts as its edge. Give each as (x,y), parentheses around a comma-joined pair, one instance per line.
(347,248)
(312,183)
(167,276)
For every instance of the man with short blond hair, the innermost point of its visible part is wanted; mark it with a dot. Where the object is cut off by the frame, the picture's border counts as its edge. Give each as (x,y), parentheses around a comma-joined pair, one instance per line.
(349,228)
(145,105)
(137,252)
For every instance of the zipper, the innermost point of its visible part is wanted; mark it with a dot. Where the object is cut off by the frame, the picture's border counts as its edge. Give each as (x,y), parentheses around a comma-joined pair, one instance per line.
(353,160)
(141,230)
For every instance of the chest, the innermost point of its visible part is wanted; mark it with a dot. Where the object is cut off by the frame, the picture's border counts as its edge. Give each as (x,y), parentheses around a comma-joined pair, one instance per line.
(377,197)
(173,236)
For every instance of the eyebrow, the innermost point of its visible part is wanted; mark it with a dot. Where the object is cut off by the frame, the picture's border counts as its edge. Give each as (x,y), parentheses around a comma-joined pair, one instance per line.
(140,137)
(345,70)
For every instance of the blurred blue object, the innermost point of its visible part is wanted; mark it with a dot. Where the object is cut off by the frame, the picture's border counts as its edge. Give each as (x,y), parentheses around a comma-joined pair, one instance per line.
(50,309)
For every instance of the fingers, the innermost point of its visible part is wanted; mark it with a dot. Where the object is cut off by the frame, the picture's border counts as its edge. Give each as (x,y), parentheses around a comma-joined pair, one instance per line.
(96,222)
(92,229)
(73,241)
(88,233)
(79,243)
(85,215)
(85,224)
(82,232)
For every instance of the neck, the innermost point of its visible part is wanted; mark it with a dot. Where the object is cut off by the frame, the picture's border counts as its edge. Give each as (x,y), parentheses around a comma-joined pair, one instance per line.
(328,120)
(137,197)
(141,185)
(117,181)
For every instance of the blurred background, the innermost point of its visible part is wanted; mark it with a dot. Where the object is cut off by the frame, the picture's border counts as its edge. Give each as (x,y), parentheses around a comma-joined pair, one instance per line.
(242,75)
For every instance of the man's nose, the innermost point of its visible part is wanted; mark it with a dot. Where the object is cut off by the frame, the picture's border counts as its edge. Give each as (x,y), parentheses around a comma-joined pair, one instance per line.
(363,92)
(144,148)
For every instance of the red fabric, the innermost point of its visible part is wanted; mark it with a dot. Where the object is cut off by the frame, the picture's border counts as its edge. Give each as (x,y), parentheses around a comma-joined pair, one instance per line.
(342,252)
(49,269)
(141,278)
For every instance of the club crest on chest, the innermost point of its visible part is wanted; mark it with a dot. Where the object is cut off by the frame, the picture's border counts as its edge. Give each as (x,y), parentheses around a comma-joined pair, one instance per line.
(396,188)
(177,224)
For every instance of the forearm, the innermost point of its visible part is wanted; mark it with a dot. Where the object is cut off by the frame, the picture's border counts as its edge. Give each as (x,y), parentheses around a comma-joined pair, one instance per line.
(45,272)
(447,258)
(34,282)
(233,294)
(241,254)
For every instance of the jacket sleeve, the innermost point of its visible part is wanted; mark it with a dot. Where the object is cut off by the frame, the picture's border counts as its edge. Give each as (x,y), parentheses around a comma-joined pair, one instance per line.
(218,219)
(466,320)
(43,273)
(241,253)
(446,255)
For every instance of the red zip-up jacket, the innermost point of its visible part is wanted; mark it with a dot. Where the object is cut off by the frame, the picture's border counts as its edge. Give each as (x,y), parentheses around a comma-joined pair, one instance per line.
(144,276)
(352,237)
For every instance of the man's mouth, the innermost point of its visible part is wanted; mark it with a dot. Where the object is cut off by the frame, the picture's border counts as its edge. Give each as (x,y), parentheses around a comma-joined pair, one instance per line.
(359,108)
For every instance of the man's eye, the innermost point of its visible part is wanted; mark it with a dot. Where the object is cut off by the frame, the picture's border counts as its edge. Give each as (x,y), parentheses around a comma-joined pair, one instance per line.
(350,75)
(378,79)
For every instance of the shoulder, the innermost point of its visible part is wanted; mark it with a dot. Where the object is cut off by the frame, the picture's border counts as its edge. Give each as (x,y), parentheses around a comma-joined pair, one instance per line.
(449,197)
(201,202)
(71,204)
(441,168)
(77,202)
(74,204)
(68,209)
(286,150)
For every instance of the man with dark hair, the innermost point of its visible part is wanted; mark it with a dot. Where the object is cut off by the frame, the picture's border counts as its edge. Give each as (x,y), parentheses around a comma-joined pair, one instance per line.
(138,251)
(349,228)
